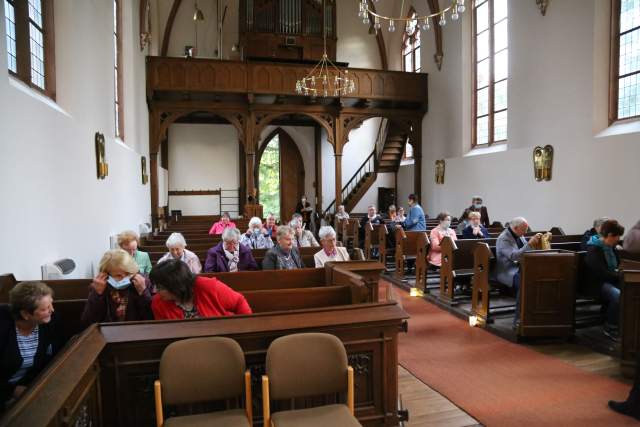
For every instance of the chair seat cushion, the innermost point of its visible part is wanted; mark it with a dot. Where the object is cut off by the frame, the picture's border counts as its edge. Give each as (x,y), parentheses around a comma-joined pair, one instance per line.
(233,418)
(322,416)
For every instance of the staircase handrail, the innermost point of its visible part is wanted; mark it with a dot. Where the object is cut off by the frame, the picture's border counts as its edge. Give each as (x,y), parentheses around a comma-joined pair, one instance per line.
(370,165)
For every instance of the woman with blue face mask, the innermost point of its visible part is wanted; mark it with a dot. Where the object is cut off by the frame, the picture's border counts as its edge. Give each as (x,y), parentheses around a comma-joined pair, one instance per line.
(256,236)
(119,292)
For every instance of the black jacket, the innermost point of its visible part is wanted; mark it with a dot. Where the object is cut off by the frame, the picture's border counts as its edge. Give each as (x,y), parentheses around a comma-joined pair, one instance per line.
(597,272)
(586,237)
(50,341)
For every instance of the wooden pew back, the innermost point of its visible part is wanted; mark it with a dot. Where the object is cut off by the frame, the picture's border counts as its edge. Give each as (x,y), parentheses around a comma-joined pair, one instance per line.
(375,236)
(412,244)
(630,316)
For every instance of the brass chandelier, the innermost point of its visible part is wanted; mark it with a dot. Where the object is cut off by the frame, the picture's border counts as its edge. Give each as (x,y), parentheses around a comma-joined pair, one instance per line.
(410,23)
(325,79)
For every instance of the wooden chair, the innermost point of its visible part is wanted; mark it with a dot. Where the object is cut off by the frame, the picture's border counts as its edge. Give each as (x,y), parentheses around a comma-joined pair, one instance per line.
(203,370)
(303,365)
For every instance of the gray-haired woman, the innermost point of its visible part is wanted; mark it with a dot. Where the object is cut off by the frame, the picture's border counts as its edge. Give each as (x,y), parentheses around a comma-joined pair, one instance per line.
(256,236)
(330,251)
(283,256)
(176,245)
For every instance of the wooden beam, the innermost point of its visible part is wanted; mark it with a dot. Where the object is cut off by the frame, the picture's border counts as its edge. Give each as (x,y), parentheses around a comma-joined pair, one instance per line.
(382,50)
(169,26)
(437,31)
(317,137)
(194,192)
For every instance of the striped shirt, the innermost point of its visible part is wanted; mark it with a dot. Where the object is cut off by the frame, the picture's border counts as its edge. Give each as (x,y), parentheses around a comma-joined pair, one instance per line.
(28,346)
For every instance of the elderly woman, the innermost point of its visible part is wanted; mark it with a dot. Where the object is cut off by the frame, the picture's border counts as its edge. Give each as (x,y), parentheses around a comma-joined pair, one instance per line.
(475,230)
(176,245)
(119,292)
(392,213)
(329,252)
(400,217)
(229,255)
(183,295)
(129,241)
(342,213)
(224,223)
(271,225)
(29,337)
(256,237)
(302,238)
(283,256)
(437,234)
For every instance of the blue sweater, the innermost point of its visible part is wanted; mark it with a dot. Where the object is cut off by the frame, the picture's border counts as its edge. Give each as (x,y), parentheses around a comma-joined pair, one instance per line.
(415,220)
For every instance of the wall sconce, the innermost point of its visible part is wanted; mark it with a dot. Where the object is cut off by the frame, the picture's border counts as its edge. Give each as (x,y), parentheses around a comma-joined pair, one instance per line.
(101,164)
(143,164)
(542,5)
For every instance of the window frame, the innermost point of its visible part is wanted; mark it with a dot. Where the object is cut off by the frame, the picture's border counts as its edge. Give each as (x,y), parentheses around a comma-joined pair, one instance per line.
(118,101)
(491,85)
(614,70)
(23,42)
(409,41)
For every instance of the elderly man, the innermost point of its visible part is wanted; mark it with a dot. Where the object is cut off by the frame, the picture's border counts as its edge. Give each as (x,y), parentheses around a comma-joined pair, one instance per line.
(342,213)
(229,255)
(256,237)
(510,246)
(476,206)
(302,238)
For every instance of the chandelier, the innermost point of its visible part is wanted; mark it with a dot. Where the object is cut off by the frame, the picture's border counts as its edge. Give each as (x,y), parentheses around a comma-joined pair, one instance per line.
(455,9)
(325,79)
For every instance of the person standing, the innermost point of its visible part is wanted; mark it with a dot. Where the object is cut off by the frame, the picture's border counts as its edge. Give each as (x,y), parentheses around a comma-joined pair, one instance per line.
(415,221)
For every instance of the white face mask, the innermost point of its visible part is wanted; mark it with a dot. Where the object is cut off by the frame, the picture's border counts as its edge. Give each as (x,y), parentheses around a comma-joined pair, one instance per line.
(445,224)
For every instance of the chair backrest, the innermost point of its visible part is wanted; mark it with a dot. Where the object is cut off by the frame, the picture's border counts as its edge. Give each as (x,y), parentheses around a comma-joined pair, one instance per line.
(201,369)
(310,364)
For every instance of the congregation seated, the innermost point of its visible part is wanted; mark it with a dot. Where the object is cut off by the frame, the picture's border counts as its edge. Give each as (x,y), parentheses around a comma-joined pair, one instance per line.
(271,225)
(119,292)
(476,206)
(129,241)
(284,255)
(415,221)
(229,255)
(603,280)
(510,246)
(372,218)
(475,230)
(177,250)
(29,338)
(437,234)
(220,226)
(302,238)
(183,295)
(341,213)
(256,236)
(593,231)
(631,242)
(330,251)
(463,222)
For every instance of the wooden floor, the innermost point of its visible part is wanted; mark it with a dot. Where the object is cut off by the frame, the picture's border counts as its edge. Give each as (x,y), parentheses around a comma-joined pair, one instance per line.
(427,407)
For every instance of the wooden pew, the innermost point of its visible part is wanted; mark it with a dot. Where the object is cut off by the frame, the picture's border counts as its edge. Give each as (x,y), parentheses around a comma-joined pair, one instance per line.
(375,237)
(629,316)
(410,244)
(351,233)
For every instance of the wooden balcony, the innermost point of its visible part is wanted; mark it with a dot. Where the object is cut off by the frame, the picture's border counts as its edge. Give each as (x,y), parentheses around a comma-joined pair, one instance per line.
(195,75)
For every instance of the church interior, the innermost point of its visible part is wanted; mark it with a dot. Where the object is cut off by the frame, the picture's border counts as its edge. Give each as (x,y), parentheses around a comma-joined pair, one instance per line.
(410,213)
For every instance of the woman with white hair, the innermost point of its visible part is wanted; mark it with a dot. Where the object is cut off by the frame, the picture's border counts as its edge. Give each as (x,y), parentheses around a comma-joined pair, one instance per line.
(176,245)
(256,236)
(329,252)
(284,255)
(302,238)
(229,255)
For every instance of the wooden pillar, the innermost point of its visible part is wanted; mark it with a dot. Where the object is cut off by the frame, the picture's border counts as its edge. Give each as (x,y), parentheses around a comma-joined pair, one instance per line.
(338,143)
(250,144)
(318,162)
(417,160)
(338,160)
(153,165)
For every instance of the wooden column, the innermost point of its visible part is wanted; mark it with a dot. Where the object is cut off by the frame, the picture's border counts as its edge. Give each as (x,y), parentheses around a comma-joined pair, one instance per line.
(338,159)
(153,165)
(338,143)
(317,133)
(417,160)
(250,144)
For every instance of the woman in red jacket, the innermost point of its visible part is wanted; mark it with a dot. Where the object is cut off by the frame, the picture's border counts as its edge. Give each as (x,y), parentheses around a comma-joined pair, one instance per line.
(183,295)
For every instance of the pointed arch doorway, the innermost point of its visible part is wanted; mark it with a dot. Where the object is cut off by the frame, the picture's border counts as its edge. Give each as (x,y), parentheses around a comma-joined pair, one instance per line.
(279,174)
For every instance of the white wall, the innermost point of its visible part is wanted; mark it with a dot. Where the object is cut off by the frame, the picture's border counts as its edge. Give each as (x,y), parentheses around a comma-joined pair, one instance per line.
(53,206)
(202,157)
(355,45)
(557,95)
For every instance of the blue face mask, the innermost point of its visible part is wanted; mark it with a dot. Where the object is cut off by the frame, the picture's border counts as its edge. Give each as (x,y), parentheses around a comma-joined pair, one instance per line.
(119,285)
(256,232)
(477,205)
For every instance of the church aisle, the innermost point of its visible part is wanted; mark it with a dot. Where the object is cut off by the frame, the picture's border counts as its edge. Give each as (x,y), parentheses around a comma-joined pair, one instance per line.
(500,383)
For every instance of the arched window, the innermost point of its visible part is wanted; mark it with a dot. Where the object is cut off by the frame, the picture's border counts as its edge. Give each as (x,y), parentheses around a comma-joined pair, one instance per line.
(490,72)
(30,48)
(269,176)
(624,97)
(117,71)
(411,47)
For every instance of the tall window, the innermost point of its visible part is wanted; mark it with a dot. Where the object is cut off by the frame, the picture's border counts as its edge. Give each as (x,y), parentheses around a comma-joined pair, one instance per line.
(491,71)
(117,71)
(625,60)
(269,176)
(29,36)
(411,48)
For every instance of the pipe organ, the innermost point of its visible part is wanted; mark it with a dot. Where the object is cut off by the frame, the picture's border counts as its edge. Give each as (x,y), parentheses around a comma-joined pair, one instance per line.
(287,29)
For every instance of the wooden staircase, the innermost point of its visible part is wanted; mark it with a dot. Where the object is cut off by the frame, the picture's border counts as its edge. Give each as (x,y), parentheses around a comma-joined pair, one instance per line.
(386,157)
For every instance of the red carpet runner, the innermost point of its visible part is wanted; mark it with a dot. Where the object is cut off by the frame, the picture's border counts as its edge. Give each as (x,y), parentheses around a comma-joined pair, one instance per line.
(500,383)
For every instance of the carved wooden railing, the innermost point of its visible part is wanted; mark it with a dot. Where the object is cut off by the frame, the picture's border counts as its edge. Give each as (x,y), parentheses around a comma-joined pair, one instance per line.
(208,75)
